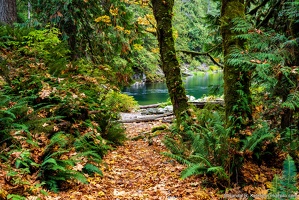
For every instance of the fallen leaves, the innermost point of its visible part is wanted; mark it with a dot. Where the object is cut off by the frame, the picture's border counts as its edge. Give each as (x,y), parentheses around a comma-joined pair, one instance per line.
(137,170)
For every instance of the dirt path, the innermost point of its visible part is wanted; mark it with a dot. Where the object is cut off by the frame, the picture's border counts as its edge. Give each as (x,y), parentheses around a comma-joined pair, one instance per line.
(137,170)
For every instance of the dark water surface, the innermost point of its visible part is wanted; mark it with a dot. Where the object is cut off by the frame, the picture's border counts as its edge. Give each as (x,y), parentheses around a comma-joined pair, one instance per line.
(196,85)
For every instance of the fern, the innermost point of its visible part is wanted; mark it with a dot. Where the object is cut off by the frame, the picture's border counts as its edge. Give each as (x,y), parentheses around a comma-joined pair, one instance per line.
(173,146)
(258,136)
(292,101)
(193,169)
(91,169)
(219,171)
(204,150)
(284,187)
(178,158)
(288,181)
(91,142)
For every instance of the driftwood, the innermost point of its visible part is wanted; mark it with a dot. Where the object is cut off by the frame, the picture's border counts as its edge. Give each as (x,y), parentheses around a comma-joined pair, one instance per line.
(166,117)
(199,104)
(149,106)
(147,118)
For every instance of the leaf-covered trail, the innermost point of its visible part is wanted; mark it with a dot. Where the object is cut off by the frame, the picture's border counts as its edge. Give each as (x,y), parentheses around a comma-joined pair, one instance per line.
(137,170)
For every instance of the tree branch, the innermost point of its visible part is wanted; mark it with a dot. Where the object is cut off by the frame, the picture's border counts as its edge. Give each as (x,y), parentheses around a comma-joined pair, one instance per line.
(254,10)
(195,53)
(270,13)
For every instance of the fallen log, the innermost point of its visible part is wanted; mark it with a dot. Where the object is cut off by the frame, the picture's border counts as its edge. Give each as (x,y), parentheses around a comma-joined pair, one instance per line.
(149,118)
(146,119)
(149,106)
(201,104)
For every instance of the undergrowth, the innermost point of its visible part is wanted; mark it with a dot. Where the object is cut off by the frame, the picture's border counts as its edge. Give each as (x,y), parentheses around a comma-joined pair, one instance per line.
(56,121)
(207,146)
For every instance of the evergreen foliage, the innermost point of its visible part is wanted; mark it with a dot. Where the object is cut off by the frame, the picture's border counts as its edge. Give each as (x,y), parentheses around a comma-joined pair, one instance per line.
(284,187)
(206,146)
(56,123)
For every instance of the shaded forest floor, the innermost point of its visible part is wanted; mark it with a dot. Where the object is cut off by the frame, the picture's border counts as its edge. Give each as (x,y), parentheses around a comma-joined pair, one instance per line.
(137,170)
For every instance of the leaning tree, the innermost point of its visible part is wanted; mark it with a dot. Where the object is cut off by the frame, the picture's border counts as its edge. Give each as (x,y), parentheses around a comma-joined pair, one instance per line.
(163,12)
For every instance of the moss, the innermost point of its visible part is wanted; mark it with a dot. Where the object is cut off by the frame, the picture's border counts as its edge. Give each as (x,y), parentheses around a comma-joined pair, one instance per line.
(213,68)
(236,81)
(157,128)
(170,65)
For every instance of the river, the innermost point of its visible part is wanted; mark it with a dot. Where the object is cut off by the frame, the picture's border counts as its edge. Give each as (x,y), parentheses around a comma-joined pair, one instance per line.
(197,85)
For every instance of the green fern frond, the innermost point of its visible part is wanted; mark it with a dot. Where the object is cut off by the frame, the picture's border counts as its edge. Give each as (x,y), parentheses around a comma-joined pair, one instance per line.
(289,175)
(193,169)
(173,145)
(256,138)
(275,185)
(78,176)
(200,159)
(292,101)
(219,172)
(91,155)
(284,187)
(92,169)
(178,158)
(60,139)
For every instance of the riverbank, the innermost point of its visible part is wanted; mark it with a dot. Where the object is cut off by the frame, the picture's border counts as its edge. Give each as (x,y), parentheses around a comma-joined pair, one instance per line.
(163,113)
(198,85)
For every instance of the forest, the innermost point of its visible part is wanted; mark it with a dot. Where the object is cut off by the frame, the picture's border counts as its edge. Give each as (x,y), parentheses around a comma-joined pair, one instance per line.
(64,64)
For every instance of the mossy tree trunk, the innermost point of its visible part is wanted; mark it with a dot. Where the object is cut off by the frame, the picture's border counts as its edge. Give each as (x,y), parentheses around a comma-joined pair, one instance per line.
(163,12)
(236,79)
(237,96)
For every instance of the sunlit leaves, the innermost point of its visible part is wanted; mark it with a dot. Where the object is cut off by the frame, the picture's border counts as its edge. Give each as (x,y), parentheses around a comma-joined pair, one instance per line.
(106,19)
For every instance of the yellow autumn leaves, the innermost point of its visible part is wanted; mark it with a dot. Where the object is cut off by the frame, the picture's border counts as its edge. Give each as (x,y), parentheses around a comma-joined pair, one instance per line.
(107,20)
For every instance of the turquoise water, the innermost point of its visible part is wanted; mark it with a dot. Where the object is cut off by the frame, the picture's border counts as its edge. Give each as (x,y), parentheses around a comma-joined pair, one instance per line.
(197,85)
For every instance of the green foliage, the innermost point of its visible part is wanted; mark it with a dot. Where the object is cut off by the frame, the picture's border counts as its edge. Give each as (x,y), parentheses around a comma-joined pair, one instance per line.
(252,142)
(204,148)
(284,187)
(194,64)
(103,33)
(92,169)
(192,27)
(213,68)
(55,121)
(120,102)
(15,197)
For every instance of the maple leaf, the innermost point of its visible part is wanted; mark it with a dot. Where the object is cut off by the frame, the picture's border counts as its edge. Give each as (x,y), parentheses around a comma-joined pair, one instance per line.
(45,125)
(78,167)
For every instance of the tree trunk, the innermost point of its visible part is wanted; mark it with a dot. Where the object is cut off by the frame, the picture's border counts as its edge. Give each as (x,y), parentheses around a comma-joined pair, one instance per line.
(8,11)
(237,96)
(163,12)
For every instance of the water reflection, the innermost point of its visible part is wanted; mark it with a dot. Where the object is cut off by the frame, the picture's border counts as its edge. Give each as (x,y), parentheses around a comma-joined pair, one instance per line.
(150,93)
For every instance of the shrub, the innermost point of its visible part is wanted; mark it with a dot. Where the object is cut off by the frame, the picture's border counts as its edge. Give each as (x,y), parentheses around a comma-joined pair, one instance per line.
(120,102)
(55,120)
(213,68)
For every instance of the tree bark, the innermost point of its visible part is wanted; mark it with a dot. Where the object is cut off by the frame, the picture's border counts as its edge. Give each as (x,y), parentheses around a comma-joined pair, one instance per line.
(237,95)
(8,11)
(163,12)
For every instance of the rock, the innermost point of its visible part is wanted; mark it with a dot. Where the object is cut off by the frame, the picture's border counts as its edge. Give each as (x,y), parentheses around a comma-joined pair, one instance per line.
(191,98)
(168,109)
